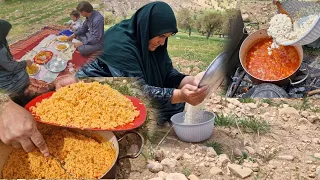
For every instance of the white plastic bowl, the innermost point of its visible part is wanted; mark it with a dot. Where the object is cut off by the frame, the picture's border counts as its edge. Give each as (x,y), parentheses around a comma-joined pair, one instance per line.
(193,132)
(314,33)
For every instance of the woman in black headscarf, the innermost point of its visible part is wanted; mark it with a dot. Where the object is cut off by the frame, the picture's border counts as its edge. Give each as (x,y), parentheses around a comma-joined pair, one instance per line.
(137,47)
(14,78)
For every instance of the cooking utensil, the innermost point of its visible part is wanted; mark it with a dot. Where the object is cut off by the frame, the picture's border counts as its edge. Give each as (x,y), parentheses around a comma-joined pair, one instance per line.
(282,11)
(294,6)
(56,65)
(256,37)
(138,121)
(193,132)
(266,90)
(5,150)
(61,164)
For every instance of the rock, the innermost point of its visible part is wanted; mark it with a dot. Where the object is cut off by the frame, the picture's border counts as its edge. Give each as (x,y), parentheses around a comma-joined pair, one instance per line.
(265,105)
(162,174)
(288,110)
(159,155)
(201,164)
(317,155)
(223,159)
(234,101)
(303,121)
(316,140)
(176,176)
(245,17)
(313,118)
(178,156)
(155,167)
(186,156)
(286,157)
(234,132)
(240,171)
(231,106)
(250,150)
(169,162)
(252,165)
(156,178)
(206,164)
(252,105)
(133,149)
(216,171)
(211,152)
(309,162)
(193,177)
(237,153)
(305,114)
(285,105)
(318,171)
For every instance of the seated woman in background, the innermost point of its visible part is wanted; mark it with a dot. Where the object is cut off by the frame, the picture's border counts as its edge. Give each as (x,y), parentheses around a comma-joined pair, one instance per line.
(137,47)
(14,78)
(13,75)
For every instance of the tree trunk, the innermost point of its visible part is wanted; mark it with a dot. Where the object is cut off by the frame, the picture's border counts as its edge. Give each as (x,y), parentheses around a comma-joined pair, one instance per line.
(208,34)
(189,32)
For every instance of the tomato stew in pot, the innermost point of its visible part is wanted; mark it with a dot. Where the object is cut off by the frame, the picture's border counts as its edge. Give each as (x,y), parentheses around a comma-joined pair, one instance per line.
(283,61)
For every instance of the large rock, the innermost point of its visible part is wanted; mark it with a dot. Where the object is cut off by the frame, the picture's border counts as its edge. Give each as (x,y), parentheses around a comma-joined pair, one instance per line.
(223,159)
(288,110)
(176,176)
(216,171)
(169,162)
(193,177)
(240,171)
(154,167)
(234,101)
(305,114)
(313,118)
(162,174)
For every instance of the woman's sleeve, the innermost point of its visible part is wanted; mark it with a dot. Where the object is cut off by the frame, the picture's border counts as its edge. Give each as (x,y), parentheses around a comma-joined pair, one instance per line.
(10,64)
(173,77)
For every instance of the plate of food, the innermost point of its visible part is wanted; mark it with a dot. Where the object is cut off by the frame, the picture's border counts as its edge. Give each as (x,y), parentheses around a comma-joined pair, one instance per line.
(33,69)
(62,46)
(43,57)
(91,106)
(62,38)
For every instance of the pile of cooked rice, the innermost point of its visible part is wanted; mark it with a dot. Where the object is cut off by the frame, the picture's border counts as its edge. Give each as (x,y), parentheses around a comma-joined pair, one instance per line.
(87,105)
(84,157)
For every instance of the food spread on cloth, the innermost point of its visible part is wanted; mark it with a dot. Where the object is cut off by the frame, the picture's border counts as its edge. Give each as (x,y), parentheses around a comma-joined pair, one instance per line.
(61,46)
(86,105)
(63,38)
(33,69)
(82,157)
(282,63)
(43,57)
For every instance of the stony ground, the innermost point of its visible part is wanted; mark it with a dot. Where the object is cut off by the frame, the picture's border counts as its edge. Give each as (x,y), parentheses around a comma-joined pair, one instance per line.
(290,149)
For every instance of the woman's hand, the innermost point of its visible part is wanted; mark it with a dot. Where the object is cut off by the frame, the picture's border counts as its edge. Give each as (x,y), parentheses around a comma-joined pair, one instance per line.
(192,80)
(29,62)
(190,94)
(64,81)
(19,129)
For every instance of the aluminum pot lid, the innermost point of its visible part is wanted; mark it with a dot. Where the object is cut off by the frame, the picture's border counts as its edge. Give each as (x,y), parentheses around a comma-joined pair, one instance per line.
(266,90)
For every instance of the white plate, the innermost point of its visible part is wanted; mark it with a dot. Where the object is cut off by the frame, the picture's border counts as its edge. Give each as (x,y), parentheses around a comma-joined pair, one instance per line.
(63,49)
(39,68)
(60,40)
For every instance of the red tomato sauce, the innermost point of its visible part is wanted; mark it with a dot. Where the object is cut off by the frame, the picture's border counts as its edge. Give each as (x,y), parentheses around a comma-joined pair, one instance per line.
(282,63)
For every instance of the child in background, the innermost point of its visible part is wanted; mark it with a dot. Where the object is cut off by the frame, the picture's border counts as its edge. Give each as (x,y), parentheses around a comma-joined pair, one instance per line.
(75,21)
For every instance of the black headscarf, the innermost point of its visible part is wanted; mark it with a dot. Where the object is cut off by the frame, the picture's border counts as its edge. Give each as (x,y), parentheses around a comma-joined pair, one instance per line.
(126,45)
(5,27)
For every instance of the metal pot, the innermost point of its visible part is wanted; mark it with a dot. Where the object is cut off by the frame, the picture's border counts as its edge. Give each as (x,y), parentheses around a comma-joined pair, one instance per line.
(5,150)
(256,37)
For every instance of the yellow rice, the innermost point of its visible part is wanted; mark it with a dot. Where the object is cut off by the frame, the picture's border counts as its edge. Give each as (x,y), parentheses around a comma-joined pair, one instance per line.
(87,105)
(83,156)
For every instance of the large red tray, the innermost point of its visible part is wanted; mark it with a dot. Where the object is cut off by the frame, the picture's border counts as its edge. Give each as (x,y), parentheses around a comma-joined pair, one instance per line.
(138,121)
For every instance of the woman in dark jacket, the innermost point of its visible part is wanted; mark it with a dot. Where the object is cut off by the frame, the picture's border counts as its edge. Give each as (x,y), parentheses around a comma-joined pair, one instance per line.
(137,47)
(14,78)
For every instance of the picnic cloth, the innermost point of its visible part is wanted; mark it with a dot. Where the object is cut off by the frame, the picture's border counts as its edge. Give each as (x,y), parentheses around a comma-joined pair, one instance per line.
(20,48)
(49,43)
